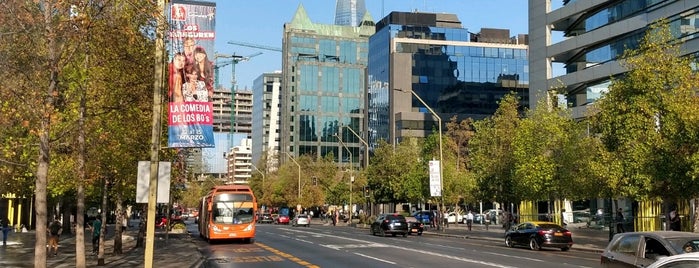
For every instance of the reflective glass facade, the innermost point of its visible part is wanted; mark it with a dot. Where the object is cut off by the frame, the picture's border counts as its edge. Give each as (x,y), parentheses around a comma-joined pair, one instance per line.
(324,88)
(454,76)
(684,27)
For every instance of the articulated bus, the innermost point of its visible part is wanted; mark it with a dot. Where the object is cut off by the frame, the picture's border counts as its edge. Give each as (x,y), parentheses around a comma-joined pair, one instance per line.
(228,212)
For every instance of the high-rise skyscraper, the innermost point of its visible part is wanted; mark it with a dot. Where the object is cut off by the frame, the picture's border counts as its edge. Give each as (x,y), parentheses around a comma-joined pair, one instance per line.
(323,87)
(349,12)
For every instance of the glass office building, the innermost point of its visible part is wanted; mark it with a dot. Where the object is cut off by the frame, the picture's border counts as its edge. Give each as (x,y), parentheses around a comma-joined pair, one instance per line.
(455,72)
(596,34)
(323,87)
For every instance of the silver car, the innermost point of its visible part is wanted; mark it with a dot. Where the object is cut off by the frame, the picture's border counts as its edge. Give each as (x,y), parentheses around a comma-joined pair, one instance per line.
(301,220)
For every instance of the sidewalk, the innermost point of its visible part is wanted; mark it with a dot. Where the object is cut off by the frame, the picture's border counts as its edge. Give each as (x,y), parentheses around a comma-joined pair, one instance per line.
(586,239)
(179,250)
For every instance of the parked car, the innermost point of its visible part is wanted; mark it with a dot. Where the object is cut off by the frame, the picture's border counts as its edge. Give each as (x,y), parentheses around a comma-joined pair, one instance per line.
(282,219)
(423,216)
(678,261)
(301,220)
(453,217)
(491,216)
(265,218)
(640,249)
(538,234)
(414,226)
(393,224)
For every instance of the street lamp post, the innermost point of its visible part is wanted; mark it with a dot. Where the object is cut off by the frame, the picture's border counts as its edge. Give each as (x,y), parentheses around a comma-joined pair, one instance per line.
(351,175)
(299,166)
(441,158)
(263,178)
(366,147)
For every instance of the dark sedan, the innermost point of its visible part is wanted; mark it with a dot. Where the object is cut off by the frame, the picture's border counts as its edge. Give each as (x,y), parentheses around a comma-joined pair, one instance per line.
(414,226)
(393,224)
(538,234)
(640,249)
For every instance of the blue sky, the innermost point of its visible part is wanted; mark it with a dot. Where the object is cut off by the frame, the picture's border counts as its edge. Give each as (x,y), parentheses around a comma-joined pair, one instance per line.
(262,22)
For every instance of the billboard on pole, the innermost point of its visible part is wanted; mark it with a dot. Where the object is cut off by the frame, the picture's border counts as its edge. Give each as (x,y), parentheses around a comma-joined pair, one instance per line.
(435,178)
(190,74)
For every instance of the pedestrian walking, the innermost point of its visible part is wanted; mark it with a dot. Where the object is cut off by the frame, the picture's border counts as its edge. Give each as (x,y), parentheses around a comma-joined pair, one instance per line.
(54,231)
(675,224)
(469,220)
(5,225)
(619,221)
(564,222)
(96,229)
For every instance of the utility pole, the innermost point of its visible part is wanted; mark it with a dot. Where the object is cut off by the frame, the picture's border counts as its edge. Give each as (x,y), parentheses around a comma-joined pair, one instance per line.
(158,81)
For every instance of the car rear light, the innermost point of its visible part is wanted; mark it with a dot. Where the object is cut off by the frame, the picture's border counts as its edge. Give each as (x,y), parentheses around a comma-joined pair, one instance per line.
(567,233)
(421,225)
(544,232)
(385,221)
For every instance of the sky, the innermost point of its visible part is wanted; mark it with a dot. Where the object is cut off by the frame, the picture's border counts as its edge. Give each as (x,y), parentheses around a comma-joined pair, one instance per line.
(262,22)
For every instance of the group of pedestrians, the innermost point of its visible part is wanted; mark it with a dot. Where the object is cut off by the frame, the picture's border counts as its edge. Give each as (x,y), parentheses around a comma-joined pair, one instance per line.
(55,229)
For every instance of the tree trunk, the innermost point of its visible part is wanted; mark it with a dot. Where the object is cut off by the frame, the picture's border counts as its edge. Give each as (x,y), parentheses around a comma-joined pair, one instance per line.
(696,215)
(43,160)
(103,233)
(80,211)
(119,226)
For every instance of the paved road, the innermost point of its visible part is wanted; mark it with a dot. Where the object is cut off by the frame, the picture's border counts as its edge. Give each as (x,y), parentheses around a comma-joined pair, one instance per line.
(187,250)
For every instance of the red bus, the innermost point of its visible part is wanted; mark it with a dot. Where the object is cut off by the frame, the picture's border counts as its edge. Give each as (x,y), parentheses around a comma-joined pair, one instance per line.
(228,212)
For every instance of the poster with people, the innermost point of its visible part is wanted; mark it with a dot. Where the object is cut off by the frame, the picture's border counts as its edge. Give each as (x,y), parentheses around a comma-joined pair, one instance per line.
(191,74)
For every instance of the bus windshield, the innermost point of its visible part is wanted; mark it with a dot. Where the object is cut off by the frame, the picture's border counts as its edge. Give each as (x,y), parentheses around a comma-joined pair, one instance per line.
(233,212)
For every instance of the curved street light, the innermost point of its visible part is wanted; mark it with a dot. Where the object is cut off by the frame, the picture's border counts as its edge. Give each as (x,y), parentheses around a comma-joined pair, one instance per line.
(299,166)
(366,146)
(439,121)
(263,178)
(351,174)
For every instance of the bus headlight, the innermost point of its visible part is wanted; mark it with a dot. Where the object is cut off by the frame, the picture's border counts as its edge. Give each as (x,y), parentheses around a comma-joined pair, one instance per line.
(248,228)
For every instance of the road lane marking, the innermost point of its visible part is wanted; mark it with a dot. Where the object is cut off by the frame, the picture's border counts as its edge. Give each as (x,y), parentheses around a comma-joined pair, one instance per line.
(422,251)
(287,256)
(374,258)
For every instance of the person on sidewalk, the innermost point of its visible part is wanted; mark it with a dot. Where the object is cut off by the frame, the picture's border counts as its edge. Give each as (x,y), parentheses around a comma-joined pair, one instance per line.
(96,229)
(675,224)
(469,220)
(5,225)
(54,231)
(619,221)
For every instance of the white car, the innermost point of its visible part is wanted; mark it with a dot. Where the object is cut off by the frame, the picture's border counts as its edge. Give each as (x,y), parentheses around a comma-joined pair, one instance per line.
(678,261)
(301,220)
(453,217)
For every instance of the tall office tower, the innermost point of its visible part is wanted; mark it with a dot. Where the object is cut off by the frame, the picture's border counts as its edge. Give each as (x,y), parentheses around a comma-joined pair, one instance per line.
(265,119)
(595,33)
(454,72)
(323,87)
(349,12)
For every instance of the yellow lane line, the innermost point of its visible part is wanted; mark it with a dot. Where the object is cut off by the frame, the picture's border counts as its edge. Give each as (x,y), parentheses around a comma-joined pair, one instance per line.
(287,256)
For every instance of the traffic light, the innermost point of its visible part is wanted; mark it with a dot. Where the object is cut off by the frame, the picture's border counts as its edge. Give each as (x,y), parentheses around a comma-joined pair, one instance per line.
(366,191)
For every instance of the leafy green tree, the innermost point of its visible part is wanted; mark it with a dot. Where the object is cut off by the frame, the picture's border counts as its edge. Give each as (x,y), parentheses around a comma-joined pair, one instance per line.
(492,153)
(648,120)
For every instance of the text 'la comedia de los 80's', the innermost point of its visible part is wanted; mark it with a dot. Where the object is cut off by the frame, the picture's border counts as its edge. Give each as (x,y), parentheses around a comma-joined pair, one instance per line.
(191,113)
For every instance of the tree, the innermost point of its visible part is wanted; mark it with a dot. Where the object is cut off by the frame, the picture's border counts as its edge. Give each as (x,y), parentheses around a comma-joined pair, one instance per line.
(492,152)
(648,120)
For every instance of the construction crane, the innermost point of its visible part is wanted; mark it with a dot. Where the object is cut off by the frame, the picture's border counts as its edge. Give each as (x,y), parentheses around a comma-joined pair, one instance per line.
(255,46)
(233,61)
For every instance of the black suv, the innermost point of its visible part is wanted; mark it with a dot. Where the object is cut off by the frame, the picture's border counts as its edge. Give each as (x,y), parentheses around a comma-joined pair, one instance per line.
(393,224)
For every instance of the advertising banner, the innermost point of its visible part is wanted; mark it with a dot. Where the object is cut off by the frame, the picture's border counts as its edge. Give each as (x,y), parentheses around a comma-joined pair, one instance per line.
(435,178)
(191,74)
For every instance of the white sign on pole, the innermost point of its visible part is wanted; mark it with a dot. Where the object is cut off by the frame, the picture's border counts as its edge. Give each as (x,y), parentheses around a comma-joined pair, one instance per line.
(435,179)
(144,182)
